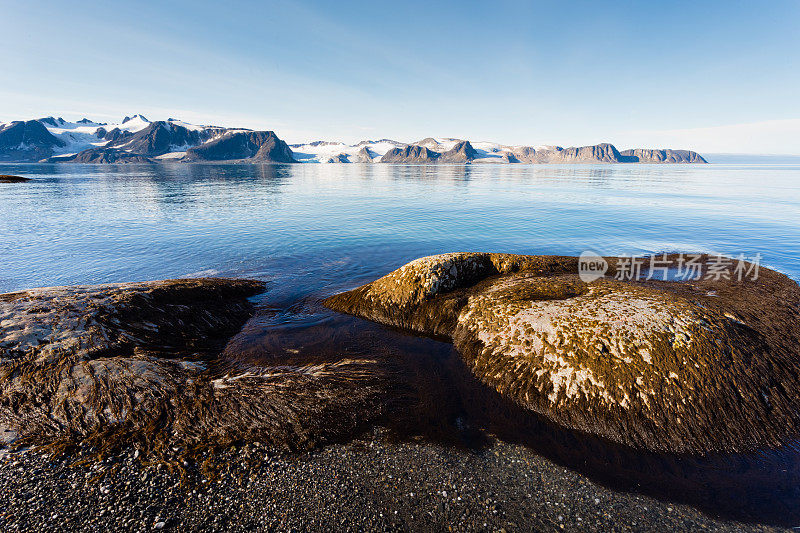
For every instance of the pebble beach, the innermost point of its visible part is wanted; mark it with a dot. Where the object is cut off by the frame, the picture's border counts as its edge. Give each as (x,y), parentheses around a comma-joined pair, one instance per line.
(370,484)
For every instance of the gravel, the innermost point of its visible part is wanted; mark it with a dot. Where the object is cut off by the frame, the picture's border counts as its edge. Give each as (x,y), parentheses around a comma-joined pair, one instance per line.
(372,483)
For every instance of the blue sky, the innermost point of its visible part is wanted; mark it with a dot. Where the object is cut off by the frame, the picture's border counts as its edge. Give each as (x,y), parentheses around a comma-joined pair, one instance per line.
(717,76)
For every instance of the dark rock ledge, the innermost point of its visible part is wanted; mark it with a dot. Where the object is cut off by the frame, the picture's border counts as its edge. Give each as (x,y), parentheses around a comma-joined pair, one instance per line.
(5,178)
(139,363)
(698,367)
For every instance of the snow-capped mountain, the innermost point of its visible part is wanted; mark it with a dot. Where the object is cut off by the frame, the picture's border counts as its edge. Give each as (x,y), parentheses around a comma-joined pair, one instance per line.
(136,139)
(460,151)
(85,134)
(337,152)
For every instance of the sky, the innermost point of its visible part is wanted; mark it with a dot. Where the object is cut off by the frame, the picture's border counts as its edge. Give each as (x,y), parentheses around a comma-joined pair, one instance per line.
(712,76)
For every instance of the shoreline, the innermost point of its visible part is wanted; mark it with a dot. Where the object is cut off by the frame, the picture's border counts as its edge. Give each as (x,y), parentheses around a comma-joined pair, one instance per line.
(372,483)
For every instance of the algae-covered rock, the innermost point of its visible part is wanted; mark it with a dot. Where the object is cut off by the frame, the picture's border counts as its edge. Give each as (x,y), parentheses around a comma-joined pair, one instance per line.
(703,365)
(142,361)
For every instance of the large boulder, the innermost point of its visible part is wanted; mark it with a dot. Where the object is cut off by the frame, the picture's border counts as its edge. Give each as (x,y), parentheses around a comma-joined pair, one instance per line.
(143,361)
(682,366)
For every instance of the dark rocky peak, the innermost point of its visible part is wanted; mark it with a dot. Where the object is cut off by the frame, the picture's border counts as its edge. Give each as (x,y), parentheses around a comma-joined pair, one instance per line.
(128,119)
(102,155)
(365,155)
(462,152)
(160,137)
(526,150)
(410,153)
(116,134)
(600,153)
(50,121)
(262,146)
(209,132)
(338,158)
(644,155)
(524,154)
(85,121)
(30,135)
(28,141)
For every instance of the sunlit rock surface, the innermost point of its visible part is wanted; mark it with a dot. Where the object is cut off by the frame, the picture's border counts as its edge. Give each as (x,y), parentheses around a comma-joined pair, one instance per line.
(695,366)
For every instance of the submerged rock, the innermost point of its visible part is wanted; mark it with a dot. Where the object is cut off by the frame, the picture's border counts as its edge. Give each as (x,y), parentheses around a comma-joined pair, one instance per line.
(700,366)
(141,361)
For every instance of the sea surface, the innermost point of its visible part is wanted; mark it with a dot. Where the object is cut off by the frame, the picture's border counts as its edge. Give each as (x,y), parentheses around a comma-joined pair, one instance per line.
(317,225)
(312,230)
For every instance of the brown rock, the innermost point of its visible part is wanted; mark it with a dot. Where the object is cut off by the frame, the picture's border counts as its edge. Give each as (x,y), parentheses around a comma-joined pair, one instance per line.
(669,365)
(142,361)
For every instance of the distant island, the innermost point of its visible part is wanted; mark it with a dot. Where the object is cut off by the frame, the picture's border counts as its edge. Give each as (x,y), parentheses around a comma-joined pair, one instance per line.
(138,140)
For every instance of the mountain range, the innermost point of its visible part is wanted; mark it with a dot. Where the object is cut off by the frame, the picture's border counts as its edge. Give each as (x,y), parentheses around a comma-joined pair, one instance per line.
(138,140)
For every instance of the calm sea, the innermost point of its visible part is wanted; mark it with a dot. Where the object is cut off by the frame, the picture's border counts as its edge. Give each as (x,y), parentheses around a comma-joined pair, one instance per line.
(317,225)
